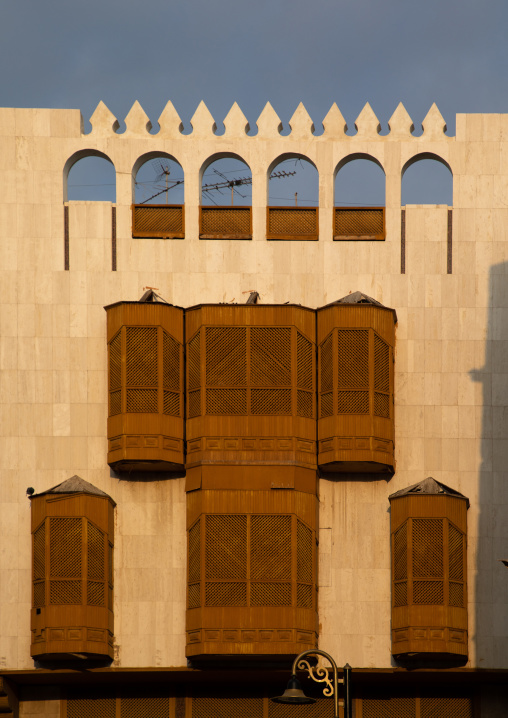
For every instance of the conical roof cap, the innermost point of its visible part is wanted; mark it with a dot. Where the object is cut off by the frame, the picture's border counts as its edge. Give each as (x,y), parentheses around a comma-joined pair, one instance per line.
(75,485)
(361,298)
(428,487)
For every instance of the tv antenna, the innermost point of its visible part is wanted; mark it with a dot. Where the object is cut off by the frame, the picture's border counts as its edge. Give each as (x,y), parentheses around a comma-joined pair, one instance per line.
(234,183)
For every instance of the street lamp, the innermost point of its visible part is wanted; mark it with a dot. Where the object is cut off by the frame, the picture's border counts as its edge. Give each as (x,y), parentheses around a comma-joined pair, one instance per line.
(319,674)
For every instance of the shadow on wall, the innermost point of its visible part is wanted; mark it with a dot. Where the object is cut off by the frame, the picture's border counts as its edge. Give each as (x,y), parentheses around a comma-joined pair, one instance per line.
(488,523)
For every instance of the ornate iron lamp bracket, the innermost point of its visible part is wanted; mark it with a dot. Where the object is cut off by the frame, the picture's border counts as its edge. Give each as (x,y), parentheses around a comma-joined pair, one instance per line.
(320,674)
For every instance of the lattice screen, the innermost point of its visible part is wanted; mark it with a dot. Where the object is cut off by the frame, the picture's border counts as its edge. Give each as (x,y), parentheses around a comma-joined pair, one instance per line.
(158,220)
(249,560)
(359,390)
(322,708)
(359,222)
(39,565)
(437,567)
(227,707)
(252,371)
(115,375)
(148,367)
(220,221)
(157,707)
(304,377)
(423,707)
(287,221)
(91,708)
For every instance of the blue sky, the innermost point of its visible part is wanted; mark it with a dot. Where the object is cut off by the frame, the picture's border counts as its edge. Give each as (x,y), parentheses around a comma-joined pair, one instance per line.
(68,54)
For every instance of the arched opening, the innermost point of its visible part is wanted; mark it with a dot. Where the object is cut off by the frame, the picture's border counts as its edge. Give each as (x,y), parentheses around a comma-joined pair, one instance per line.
(225,210)
(359,199)
(158,194)
(89,176)
(293,199)
(427,179)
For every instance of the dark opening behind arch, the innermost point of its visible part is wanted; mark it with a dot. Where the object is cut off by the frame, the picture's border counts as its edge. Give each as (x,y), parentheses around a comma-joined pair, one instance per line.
(158,178)
(216,174)
(89,175)
(304,182)
(427,179)
(359,182)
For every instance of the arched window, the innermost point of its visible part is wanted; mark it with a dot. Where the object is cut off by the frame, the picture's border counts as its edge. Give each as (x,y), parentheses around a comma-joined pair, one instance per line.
(293,183)
(89,189)
(158,202)
(89,176)
(226,198)
(427,179)
(359,199)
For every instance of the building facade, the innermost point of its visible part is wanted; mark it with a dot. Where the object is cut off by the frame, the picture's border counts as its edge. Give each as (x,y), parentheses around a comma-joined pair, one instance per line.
(232,434)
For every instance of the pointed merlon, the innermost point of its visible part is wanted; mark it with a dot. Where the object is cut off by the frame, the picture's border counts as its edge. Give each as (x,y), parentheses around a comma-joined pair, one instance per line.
(434,126)
(137,122)
(334,123)
(170,124)
(103,121)
(203,124)
(400,123)
(367,124)
(301,124)
(269,124)
(236,123)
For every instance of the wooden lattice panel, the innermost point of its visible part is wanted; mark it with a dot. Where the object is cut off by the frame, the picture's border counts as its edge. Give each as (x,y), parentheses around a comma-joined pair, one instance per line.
(72,575)
(322,708)
(205,707)
(91,708)
(292,223)
(146,707)
(416,707)
(225,222)
(163,221)
(145,425)
(256,378)
(429,613)
(242,562)
(355,372)
(65,547)
(359,223)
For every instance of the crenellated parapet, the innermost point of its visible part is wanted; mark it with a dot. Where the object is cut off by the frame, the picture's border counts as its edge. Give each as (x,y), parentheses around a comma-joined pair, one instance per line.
(269,124)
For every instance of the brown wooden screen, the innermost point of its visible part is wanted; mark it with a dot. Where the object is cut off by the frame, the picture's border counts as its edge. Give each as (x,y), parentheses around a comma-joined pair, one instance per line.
(162,221)
(429,592)
(225,222)
(249,561)
(292,223)
(251,371)
(359,223)
(356,397)
(191,707)
(419,707)
(145,425)
(72,575)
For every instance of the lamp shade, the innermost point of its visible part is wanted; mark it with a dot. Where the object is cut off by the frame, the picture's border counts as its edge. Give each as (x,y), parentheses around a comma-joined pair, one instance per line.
(293,693)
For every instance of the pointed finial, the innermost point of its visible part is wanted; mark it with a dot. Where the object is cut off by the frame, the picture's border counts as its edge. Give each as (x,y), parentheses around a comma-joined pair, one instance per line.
(367,124)
(236,123)
(137,121)
(434,126)
(170,124)
(203,124)
(301,123)
(400,123)
(103,121)
(334,123)
(269,124)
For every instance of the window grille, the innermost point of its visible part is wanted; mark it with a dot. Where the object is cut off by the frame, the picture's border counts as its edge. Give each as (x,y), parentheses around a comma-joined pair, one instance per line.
(164,221)
(249,560)
(72,570)
(419,707)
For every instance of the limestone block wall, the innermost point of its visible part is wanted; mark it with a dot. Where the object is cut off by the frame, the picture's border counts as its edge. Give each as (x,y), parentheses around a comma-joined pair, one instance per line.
(451,377)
